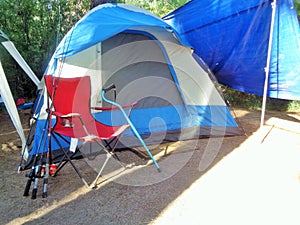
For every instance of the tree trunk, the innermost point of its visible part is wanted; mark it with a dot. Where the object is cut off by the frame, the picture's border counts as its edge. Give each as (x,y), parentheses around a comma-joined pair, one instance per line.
(94,3)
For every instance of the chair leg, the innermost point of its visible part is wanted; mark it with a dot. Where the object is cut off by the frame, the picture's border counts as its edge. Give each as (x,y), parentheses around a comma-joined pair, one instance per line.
(133,129)
(63,161)
(111,150)
(71,162)
(93,185)
(109,154)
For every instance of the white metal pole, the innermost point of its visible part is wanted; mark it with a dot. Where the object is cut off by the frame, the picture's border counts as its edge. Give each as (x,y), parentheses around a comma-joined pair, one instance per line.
(267,68)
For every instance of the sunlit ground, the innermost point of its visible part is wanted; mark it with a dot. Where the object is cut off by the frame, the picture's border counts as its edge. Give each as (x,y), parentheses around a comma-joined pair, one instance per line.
(257,183)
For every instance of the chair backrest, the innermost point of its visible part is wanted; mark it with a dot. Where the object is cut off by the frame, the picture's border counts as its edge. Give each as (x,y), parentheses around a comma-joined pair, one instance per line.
(71,95)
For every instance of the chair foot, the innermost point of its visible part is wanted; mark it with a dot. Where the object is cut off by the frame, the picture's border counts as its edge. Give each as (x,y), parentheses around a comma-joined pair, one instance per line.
(129,166)
(93,186)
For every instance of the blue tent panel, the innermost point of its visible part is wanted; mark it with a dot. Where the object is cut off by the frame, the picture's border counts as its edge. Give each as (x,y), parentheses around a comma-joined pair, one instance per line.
(78,38)
(155,120)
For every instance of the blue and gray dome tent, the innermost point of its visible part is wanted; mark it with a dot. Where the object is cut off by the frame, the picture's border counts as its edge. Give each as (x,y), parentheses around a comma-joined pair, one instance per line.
(143,56)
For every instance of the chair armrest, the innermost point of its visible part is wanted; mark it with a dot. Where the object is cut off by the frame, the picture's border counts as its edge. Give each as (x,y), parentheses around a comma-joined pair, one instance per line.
(61,115)
(67,120)
(114,107)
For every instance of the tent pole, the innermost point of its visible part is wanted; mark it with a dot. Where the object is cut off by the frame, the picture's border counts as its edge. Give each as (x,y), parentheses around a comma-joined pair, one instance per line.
(10,47)
(11,108)
(267,68)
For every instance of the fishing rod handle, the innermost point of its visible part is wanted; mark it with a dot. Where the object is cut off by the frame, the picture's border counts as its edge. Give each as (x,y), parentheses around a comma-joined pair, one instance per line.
(27,187)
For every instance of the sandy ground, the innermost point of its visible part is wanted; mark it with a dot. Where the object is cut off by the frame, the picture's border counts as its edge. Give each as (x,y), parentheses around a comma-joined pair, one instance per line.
(248,179)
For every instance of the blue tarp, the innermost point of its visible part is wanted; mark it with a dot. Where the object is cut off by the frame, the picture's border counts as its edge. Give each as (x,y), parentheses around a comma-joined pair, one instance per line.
(232,38)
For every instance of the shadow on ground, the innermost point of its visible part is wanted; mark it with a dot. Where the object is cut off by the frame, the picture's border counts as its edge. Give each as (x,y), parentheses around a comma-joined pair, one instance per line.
(118,201)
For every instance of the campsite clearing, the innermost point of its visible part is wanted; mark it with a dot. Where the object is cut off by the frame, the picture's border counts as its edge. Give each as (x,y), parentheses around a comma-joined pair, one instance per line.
(246,181)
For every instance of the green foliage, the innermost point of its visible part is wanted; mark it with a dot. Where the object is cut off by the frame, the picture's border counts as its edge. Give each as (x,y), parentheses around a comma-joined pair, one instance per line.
(35,27)
(241,99)
(254,102)
(158,7)
(297,5)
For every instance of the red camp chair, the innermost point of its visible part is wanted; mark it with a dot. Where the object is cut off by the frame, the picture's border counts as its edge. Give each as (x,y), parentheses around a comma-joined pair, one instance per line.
(71,108)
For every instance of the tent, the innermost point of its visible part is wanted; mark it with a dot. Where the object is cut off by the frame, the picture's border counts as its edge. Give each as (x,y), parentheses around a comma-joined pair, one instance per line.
(145,59)
(5,91)
(245,43)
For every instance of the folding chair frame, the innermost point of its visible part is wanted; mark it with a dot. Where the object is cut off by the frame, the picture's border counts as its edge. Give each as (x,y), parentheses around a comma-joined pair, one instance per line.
(68,158)
(109,151)
(66,121)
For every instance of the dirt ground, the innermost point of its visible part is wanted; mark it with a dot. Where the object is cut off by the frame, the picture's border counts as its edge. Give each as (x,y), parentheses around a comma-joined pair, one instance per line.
(139,195)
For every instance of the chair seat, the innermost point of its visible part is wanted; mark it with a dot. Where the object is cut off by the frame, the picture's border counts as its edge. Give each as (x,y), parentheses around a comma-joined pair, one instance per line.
(95,130)
(92,138)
